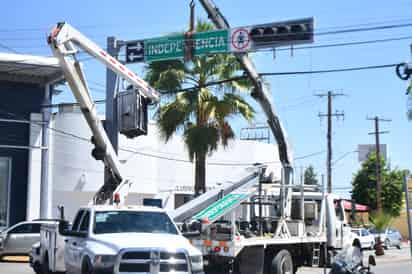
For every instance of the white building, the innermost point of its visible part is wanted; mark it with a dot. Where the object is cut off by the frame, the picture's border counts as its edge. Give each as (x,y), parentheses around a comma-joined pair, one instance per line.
(158,169)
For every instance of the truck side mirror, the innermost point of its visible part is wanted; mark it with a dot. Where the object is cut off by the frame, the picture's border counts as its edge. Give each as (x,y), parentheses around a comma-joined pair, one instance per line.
(371,260)
(64,226)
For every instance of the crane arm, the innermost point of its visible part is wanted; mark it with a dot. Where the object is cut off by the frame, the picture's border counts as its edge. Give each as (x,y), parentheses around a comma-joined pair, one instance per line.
(261,95)
(62,41)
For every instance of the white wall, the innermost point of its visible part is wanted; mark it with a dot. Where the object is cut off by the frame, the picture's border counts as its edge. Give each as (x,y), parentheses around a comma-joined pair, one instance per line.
(34,165)
(77,175)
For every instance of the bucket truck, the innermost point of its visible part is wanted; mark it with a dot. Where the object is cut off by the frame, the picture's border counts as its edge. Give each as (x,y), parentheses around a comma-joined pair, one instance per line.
(259,225)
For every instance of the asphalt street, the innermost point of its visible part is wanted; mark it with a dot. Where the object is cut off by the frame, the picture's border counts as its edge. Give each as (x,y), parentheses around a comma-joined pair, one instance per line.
(394,261)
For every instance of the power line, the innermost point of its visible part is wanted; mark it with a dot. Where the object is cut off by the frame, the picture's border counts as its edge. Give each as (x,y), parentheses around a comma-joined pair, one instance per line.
(343,44)
(22,119)
(329,70)
(352,30)
(236,78)
(7,48)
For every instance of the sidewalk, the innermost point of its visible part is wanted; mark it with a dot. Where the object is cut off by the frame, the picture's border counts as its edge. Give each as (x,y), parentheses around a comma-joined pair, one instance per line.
(391,255)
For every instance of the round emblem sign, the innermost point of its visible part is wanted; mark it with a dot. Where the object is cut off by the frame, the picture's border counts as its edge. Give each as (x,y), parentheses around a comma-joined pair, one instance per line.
(240,39)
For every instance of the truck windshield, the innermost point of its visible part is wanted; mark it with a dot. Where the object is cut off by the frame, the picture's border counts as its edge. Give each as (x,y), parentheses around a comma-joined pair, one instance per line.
(132,221)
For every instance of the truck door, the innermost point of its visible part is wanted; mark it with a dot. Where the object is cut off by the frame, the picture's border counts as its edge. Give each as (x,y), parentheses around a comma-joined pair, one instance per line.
(78,244)
(70,246)
(343,230)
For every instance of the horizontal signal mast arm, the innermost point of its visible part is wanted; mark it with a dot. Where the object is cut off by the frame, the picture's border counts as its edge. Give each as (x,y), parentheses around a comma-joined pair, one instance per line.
(63,33)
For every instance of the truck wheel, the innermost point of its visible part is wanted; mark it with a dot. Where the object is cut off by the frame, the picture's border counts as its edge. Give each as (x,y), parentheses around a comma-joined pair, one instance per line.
(282,263)
(87,267)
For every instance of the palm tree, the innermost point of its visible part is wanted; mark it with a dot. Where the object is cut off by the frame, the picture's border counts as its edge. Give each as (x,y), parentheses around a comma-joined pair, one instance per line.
(202,114)
(380,221)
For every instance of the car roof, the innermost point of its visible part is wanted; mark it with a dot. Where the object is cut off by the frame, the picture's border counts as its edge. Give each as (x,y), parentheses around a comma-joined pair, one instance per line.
(36,221)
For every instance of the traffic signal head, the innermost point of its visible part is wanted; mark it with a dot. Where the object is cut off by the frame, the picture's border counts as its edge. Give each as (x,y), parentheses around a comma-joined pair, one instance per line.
(282,33)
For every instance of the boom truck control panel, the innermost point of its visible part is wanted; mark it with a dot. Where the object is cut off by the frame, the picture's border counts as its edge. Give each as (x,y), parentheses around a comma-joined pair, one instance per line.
(107,236)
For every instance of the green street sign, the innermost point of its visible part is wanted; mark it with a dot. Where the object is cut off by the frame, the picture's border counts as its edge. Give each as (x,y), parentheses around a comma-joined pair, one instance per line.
(172,47)
(239,39)
(219,208)
(211,42)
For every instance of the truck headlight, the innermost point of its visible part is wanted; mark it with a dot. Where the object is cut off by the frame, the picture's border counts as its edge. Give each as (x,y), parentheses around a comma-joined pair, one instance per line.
(104,261)
(196,264)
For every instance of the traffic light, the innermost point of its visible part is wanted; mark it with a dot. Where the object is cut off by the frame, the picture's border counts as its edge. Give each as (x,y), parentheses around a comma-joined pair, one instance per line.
(282,33)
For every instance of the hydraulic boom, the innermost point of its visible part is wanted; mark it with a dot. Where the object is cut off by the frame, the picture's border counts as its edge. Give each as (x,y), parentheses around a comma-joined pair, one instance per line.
(63,41)
(260,94)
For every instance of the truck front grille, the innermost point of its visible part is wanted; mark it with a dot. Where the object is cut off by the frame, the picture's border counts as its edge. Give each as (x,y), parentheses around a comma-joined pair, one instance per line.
(153,261)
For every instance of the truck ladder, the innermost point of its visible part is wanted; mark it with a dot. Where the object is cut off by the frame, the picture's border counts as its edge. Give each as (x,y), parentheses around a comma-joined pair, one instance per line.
(194,207)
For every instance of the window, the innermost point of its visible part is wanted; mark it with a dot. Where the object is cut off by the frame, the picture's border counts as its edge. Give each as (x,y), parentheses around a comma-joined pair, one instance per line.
(26,228)
(77,220)
(84,226)
(133,221)
(364,232)
(5,168)
(339,210)
(357,232)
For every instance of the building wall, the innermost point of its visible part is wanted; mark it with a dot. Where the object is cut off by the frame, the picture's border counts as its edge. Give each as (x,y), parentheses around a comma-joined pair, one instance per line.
(18,101)
(157,169)
(401,222)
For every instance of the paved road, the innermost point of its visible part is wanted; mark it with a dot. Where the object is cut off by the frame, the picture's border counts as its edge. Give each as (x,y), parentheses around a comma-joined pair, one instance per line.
(399,267)
(394,262)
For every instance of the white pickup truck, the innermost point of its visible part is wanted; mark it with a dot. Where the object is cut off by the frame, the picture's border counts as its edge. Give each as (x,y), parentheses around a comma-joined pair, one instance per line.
(126,239)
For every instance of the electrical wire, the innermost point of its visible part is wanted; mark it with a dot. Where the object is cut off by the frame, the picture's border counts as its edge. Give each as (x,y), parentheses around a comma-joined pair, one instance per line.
(8,48)
(329,70)
(149,154)
(236,78)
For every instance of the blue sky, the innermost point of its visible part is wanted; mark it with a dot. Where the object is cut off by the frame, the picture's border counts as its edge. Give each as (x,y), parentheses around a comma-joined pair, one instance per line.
(24,24)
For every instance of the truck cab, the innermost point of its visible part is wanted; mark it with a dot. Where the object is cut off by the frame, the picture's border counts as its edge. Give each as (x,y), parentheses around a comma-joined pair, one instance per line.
(128,239)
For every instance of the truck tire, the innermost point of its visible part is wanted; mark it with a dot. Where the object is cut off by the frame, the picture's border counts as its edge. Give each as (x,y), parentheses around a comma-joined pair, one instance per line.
(282,263)
(87,267)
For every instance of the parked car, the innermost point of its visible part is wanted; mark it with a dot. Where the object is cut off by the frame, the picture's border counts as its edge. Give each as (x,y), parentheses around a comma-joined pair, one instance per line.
(390,237)
(366,239)
(19,238)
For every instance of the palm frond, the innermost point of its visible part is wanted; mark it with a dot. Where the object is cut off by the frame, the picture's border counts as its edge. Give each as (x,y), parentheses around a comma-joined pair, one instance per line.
(173,115)
(381,220)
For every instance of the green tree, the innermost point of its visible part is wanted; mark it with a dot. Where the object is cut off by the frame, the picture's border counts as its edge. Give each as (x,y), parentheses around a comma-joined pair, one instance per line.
(202,114)
(364,186)
(310,177)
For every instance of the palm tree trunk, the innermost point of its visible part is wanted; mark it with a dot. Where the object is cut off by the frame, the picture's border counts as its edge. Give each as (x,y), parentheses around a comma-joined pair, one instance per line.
(200,174)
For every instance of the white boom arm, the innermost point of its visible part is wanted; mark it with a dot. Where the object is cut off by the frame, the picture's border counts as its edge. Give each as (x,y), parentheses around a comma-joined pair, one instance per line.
(62,41)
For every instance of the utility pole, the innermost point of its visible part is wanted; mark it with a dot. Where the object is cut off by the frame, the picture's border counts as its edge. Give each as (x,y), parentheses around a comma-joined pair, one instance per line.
(111,124)
(376,119)
(407,191)
(338,114)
